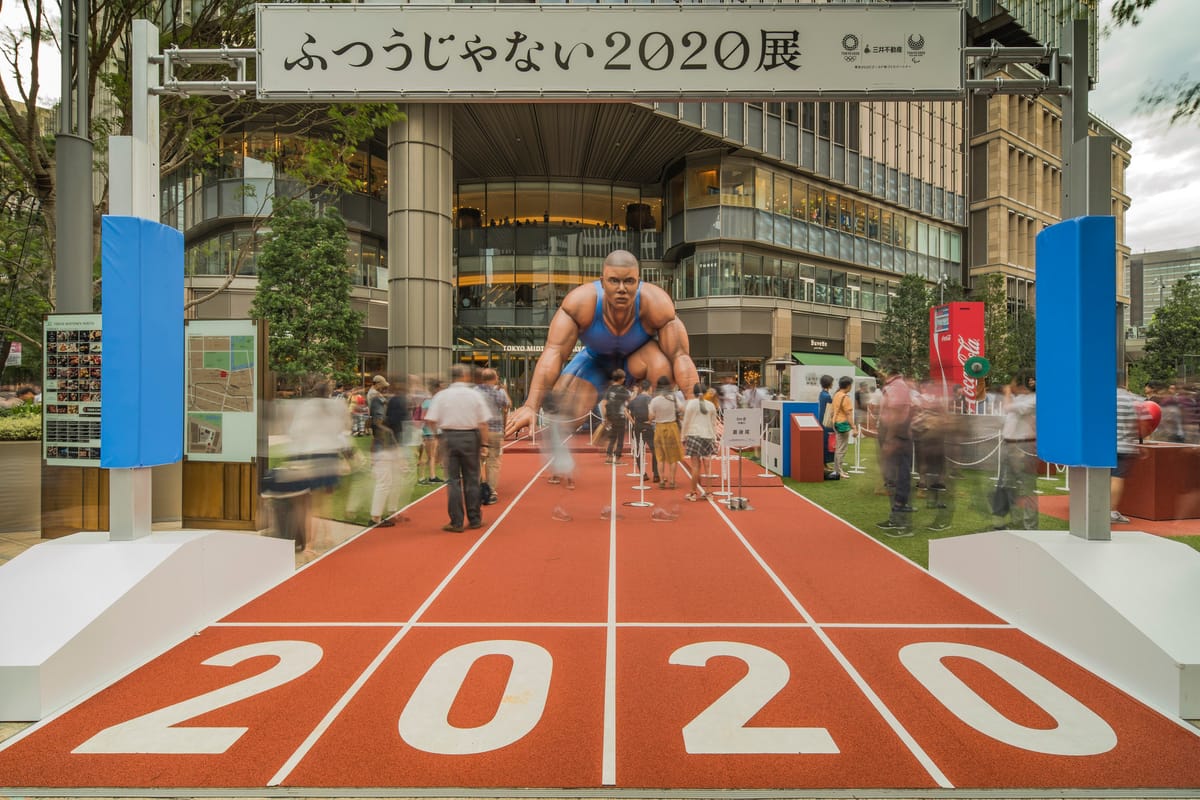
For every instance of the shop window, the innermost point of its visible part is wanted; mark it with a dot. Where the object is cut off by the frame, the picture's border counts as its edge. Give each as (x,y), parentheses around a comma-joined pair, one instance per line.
(703,187)
(737,184)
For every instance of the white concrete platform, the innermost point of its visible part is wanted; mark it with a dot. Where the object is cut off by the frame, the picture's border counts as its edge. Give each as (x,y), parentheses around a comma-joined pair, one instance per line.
(1127,609)
(78,612)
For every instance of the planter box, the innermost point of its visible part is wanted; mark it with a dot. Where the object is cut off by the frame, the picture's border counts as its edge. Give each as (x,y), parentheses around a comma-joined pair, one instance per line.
(21,486)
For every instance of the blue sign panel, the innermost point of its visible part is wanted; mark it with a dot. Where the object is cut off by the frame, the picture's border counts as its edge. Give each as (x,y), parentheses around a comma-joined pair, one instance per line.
(141,412)
(1077,342)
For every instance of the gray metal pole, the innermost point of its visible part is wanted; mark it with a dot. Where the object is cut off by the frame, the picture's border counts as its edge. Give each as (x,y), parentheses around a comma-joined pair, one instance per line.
(73,175)
(1087,189)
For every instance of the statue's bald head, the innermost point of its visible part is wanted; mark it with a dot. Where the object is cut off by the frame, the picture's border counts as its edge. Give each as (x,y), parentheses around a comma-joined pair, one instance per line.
(621,258)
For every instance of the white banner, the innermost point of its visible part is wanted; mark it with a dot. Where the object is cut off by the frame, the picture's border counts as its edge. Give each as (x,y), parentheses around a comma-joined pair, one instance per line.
(609,52)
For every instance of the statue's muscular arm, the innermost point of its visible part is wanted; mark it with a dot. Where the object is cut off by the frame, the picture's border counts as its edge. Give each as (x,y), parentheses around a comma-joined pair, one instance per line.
(658,316)
(575,314)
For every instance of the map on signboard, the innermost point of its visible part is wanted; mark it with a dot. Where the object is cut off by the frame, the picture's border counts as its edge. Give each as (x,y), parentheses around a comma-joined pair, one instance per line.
(220,373)
(204,433)
(222,381)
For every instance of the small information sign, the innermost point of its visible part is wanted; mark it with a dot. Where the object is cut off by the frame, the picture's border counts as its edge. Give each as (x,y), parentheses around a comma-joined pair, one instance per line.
(743,428)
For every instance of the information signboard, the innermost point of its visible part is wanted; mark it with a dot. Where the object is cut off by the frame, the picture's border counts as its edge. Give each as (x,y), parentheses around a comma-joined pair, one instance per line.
(359,51)
(71,368)
(743,428)
(221,390)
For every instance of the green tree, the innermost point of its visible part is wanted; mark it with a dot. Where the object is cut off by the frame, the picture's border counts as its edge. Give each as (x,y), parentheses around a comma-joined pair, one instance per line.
(1020,349)
(304,295)
(990,290)
(1173,336)
(24,270)
(904,337)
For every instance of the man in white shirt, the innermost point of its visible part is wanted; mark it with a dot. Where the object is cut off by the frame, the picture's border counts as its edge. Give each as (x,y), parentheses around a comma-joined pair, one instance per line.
(460,414)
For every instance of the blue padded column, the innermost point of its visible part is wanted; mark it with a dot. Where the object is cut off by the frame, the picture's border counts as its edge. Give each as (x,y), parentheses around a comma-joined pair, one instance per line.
(1077,342)
(141,408)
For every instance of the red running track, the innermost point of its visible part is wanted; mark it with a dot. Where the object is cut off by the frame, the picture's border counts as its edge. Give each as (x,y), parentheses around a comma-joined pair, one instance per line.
(775,648)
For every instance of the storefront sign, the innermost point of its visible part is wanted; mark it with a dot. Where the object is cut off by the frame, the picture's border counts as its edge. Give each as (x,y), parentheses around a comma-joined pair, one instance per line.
(617,52)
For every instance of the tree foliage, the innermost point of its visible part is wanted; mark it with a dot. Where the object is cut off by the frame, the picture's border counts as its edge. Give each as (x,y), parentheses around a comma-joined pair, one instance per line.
(1173,336)
(904,337)
(1009,339)
(191,127)
(304,295)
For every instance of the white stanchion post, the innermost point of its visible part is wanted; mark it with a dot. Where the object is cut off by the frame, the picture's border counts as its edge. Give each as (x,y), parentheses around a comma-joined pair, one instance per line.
(635,452)
(858,468)
(762,437)
(724,490)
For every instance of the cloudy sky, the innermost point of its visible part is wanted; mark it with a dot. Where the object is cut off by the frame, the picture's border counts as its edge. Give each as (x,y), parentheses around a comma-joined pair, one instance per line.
(1164,177)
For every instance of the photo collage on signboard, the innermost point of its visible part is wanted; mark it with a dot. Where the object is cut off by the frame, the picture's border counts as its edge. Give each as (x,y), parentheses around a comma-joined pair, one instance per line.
(74,351)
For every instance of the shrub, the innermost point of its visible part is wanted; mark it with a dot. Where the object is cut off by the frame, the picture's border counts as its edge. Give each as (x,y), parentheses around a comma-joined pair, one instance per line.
(21,428)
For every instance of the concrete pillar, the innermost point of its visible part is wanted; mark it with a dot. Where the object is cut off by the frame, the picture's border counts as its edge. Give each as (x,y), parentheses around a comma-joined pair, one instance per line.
(420,229)
(781,333)
(853,338)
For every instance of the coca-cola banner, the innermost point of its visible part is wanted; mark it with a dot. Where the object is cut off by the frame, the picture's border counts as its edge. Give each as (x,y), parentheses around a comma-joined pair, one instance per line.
(956,334)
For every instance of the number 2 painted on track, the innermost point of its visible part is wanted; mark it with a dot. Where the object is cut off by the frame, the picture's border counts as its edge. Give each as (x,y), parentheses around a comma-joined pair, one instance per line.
(718,729)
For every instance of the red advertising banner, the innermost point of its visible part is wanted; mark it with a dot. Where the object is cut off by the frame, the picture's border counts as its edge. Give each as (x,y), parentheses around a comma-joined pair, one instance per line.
(955,334)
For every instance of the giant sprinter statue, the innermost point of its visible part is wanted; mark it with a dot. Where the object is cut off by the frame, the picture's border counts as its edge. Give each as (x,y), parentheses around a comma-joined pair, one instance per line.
(623,324)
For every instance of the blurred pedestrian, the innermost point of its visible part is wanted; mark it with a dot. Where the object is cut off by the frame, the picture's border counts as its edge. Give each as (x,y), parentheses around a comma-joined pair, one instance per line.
(427,454)
(499,403)
(843,423)
(318,438)
(699,438)
(1018,465)
(643,429)
(895,436)
(459,414)
(668,446)
(559,461)
(824,399)
(1127,448)
(383,451)
(616,397)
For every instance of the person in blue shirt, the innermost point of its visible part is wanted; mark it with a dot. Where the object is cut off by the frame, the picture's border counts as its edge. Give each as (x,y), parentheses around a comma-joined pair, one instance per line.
(623,324)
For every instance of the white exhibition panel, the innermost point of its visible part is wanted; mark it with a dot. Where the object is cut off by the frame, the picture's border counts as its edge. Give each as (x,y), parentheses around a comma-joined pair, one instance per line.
(633,52)
(78,612)
(1125,608)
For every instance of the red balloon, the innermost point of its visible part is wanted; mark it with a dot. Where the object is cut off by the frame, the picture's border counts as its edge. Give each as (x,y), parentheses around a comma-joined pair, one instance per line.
(1149,414)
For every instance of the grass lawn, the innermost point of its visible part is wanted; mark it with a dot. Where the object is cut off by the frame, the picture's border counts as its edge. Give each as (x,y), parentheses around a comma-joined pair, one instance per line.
(860,501)
(856,501)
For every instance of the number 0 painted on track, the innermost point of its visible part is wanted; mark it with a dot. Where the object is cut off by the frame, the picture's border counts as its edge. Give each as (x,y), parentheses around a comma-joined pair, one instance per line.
(721,728)
(425,725)
(1080,731)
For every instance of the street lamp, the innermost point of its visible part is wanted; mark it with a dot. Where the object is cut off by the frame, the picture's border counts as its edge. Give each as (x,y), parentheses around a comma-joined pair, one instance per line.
(780,364)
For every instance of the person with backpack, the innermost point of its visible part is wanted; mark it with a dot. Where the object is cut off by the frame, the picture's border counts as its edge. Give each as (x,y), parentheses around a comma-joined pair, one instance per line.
(614,403)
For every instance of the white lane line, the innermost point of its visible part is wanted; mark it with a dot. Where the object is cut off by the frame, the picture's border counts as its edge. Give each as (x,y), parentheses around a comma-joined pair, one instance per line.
(1004,626)
(897,727)
(325,723)
(608,769)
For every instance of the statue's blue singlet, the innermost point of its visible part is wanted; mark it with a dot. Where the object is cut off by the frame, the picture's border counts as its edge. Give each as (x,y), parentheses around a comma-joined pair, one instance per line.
(604,351)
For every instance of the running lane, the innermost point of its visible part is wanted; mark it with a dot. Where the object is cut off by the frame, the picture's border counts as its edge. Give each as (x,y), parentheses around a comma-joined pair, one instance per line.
(577,643)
